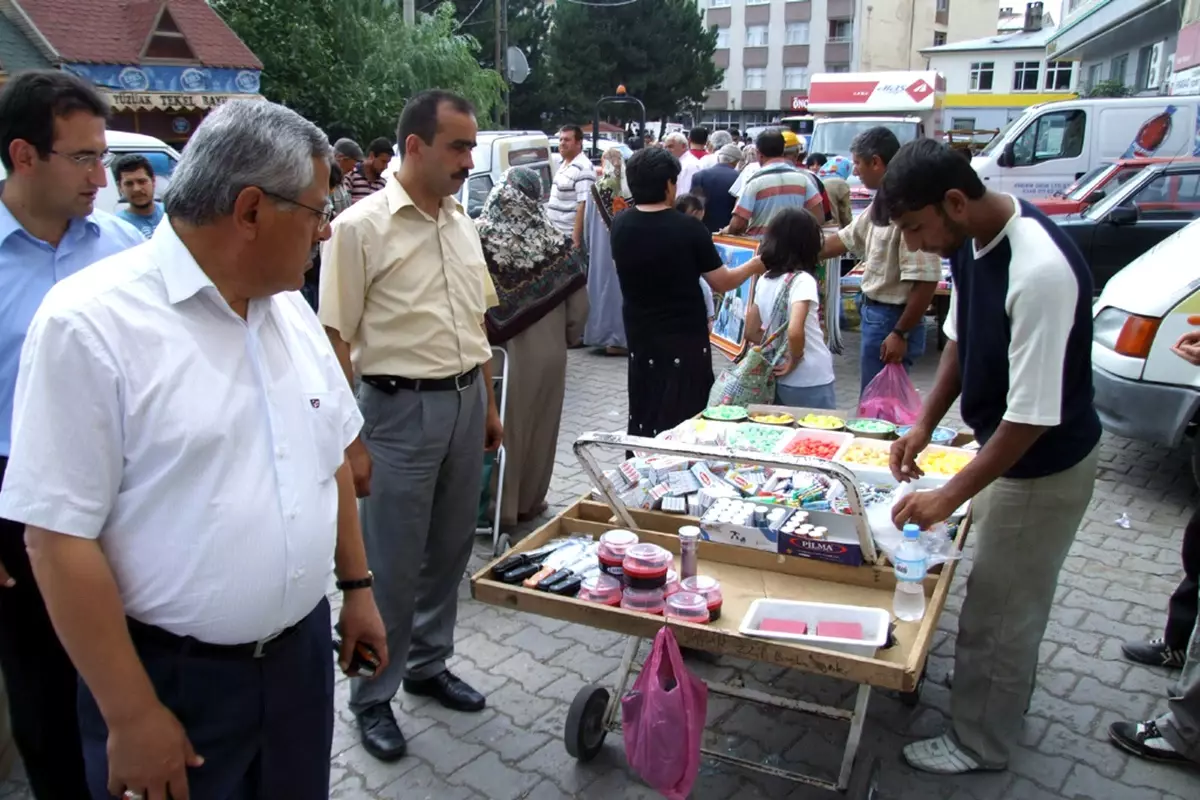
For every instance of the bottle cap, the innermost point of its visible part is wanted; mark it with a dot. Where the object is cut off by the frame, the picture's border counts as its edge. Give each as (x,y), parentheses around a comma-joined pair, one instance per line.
(911,531)
(689,532)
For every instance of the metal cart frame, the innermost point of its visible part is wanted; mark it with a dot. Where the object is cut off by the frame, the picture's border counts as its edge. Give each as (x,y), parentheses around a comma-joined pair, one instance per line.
(594,711)
(500,541)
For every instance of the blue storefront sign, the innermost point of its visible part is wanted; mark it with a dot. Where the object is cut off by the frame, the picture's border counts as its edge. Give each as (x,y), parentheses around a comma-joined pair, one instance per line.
(190,80)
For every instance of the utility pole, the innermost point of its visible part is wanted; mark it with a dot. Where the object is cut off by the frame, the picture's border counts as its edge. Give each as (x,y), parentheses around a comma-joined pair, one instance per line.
(499,9)
(410,12)
(503,47)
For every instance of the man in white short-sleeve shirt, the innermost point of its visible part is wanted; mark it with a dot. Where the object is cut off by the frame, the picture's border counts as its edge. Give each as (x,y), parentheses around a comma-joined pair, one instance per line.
(1019,358)
(572,183)
(177,457)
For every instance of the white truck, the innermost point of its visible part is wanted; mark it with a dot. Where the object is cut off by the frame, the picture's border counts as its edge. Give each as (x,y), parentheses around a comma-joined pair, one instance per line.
(847,103)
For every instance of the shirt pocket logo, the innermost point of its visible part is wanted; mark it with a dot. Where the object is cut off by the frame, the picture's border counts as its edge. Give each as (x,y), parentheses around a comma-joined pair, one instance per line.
(315,402)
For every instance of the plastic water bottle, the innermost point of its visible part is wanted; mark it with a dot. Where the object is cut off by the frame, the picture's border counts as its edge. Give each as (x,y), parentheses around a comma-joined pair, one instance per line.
(911,560)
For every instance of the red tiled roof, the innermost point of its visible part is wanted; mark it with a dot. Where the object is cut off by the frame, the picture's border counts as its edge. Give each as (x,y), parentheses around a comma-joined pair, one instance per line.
(115,31)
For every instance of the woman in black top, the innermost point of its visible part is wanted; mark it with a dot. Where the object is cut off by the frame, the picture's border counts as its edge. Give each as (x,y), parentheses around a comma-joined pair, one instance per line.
(659,253)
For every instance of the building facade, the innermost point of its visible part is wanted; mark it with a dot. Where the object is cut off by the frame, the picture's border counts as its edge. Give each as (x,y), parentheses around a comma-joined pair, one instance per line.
(769,49)
(1129,42)
(993,79)
(1185,77)
(162,64)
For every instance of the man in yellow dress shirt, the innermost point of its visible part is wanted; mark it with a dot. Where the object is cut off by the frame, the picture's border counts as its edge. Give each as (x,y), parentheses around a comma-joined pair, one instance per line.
(404,288)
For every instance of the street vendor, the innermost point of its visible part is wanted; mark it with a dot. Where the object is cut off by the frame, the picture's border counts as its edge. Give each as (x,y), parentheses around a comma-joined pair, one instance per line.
(1019,356)
(898,282)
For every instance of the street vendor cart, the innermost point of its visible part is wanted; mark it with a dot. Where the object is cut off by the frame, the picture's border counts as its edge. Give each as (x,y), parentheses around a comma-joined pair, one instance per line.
(746,575)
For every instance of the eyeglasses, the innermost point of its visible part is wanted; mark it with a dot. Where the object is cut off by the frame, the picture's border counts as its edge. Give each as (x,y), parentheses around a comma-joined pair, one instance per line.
(323,215)
(87,161)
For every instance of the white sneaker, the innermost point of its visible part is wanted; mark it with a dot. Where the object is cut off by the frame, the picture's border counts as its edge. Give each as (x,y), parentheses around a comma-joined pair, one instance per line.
(941,756)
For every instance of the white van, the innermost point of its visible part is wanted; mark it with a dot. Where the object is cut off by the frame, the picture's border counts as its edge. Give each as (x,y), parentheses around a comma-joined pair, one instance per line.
(1052,145)
(162,157)
(1143,390)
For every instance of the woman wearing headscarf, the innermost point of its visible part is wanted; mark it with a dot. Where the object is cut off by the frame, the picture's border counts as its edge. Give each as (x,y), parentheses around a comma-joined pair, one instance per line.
(609,196)
(534,269)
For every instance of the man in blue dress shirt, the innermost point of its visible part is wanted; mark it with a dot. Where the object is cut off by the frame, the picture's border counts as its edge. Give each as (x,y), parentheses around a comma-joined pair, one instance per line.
(52,145)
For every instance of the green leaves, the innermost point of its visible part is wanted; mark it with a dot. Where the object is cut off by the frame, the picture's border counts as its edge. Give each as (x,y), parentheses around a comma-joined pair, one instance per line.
(350,65)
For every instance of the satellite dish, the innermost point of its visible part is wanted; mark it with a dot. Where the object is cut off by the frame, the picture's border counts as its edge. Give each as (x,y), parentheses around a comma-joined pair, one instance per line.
(516,66)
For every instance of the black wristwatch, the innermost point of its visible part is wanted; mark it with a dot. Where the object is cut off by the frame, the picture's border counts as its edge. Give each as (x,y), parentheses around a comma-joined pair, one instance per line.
(359,583)
(902,334)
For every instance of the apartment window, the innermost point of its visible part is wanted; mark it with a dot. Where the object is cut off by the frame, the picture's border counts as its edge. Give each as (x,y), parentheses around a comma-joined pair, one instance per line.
(795,78)
(1025,76)
(939,38)
(1058,75)
(1095,74)
(982,73)
(756,36)
(724,84)
(837,67)
(797,33)
(757,2)
(962,123)
(943,5)
(1147,66)
(841,30)
(722,38)
(1117,68)
(756,78)
(718,3)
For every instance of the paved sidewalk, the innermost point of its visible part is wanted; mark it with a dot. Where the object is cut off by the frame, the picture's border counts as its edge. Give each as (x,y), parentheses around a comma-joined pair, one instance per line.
(1114,587)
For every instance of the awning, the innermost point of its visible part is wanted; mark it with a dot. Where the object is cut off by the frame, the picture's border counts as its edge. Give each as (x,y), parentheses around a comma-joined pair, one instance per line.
(1109,26)
(168,101)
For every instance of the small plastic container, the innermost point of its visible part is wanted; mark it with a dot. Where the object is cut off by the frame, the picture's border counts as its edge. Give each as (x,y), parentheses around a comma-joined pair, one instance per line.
(687,607)
(611,553)
(709,589)
(648,601)
(672,585)
(602,589)
(645,566)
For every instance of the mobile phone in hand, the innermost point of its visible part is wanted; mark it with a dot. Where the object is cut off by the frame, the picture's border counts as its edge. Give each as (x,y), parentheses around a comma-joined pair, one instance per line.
(364,662)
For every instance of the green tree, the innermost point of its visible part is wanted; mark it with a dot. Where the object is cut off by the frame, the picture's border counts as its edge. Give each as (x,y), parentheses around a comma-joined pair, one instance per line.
(350,65)
(1109,88)
(659,49)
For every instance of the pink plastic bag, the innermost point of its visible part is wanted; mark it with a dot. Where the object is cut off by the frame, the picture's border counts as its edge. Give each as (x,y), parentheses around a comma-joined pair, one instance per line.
(662,720)
(891,395)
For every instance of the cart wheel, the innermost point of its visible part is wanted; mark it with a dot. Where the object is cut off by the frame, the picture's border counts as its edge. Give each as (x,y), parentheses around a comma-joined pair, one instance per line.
(503,543)
(864,783)
(584,734)
(913,699)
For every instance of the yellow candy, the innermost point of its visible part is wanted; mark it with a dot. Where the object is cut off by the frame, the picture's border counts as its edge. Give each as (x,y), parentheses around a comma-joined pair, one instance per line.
(944,463)
(869,456)
(822,421)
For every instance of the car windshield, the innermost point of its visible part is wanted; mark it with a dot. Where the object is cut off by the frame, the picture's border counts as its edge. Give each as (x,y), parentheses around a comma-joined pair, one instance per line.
(1087,184)
(833,136)
(1115,198)
(1000,137)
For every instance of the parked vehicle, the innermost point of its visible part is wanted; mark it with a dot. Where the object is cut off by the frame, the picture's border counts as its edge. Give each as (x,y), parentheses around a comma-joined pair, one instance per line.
(1151,206)
(1053,145)
(1143,390)
(496,151)
(1096,185)
(847,103)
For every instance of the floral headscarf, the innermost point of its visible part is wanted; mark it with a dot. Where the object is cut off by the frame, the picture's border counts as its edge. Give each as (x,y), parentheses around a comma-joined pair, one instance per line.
(532,265)
(836,167)
(513,225)
(611,192)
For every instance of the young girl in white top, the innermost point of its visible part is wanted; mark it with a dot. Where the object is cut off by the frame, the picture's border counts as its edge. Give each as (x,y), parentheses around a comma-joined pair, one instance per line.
(790,250)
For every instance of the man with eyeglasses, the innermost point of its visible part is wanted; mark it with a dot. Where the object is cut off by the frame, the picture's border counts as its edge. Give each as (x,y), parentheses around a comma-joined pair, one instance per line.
(178,460)
(52,128)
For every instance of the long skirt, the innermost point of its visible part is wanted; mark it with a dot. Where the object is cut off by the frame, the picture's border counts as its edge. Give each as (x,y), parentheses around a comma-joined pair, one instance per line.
(537,379)
(669,381)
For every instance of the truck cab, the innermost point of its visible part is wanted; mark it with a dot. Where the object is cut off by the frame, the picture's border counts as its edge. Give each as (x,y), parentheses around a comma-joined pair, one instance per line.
(495,152)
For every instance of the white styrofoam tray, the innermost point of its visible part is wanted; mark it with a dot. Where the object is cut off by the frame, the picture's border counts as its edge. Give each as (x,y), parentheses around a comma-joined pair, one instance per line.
(874,623)
(842,440)
(882,476)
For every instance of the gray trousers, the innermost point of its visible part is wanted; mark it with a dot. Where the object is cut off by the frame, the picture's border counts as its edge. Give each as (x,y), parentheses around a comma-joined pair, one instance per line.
(419,523)
(1022,531)
(1180,726)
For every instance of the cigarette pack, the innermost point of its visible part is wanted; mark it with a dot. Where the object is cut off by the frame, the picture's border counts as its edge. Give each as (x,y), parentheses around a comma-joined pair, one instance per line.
(740,482)
(629,472)
(694,508)
(637,497)
(674,505)
(657,493)
(661,466)
(682,483)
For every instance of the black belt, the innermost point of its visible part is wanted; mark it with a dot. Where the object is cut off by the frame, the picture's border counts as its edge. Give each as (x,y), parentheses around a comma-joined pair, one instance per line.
(390,384)
(188,645)
(867,299)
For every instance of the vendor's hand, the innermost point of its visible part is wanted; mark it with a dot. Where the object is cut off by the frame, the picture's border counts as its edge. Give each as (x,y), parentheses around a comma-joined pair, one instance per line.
(924,509)
(1188,346)
(360,466)
(785,366)
(893,349)
(360,622)
(903,456)
(494,432)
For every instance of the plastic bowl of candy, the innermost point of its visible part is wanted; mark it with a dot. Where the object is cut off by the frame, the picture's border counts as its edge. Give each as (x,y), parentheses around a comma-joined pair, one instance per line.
(871,428)
(941,434)
(822,422)
(645,566)
(768,418)
(647,601)
(603,589)
(709,589)
(725,413)
(687,607)
(613,545)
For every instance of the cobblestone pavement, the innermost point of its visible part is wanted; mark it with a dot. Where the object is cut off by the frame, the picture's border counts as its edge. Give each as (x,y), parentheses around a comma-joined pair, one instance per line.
(1113,587)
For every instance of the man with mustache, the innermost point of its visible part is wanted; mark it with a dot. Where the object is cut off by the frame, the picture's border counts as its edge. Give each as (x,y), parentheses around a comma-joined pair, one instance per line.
(135,179)
(404,288)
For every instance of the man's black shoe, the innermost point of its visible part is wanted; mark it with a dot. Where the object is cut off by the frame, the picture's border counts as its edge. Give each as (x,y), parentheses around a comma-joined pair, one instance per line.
(1144,740)
(449,690)
(381,736)
(1154,653)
